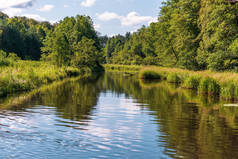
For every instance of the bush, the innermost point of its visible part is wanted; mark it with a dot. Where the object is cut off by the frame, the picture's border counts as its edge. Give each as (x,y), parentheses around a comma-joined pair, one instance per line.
(3,59)
(147,74)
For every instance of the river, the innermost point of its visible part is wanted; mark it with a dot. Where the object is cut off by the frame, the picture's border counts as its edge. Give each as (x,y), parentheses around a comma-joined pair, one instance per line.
(116,116)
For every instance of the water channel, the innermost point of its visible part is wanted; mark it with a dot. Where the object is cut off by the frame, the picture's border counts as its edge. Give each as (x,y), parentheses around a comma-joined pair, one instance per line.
(116,116)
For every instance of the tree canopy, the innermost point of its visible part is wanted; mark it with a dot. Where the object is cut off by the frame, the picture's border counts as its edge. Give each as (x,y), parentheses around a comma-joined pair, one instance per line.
(191,34)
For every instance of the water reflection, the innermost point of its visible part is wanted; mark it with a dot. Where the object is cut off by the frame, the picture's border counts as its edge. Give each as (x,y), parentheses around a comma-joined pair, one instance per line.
(113,116)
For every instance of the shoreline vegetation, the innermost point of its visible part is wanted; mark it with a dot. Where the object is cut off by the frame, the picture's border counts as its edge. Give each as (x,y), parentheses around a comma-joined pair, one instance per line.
(19,100)
(35,53)
(193,37)
(20,76)
(222,84)
(122,68)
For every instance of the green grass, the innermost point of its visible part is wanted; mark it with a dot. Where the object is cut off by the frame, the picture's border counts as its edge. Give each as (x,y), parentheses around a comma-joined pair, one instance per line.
(208,85)
(27,75)
(173,78)
(223,84)
(122,68)
(192,82)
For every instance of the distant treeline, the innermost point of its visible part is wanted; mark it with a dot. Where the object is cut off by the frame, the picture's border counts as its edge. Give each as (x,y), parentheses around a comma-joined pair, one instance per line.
(191,34)
(70,42)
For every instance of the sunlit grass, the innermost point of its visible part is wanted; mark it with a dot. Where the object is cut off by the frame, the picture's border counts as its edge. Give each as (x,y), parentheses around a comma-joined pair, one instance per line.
(224,84)
(27,75)
(121,68)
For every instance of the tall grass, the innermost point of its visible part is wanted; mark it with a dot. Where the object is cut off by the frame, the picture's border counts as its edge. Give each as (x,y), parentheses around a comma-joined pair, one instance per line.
(27,75)
(224,84)
(121,68)
(192,82)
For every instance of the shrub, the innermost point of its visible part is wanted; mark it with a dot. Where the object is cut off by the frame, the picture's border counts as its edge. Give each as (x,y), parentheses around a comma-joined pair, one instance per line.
(147,74)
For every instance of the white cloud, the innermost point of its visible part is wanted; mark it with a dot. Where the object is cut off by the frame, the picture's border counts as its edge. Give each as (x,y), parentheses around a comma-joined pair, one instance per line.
(97,26)
(154,20)
(88,3)
(12,11)
(46,8)
(132,19)
(107,16)
(15,7)
(34,16)
(5,4)
(53,21)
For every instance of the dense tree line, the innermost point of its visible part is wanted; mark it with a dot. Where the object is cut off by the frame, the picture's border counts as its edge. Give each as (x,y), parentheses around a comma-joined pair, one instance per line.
(191,34)
(22,36)
(71,42)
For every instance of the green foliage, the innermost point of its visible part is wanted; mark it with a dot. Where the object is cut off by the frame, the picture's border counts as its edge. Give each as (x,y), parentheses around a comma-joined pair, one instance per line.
(189,34)
(209,86)
(13,57)
(173,78)
(228,90)
(223,84)
(74,42)
(26,75)
(3,58)
(149,74)
(192,82)
(218,24)
(85,54)
(23,36)
(172,41)
(122,68)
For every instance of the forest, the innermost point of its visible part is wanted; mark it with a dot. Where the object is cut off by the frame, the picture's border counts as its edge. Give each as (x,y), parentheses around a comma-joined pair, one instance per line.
(71,42)
(191,34)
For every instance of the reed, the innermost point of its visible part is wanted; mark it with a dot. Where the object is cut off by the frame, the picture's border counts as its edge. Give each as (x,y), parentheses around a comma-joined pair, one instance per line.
(173,78)
(27,75)
(209,85)
(224,84)
(192,82)
(121,68)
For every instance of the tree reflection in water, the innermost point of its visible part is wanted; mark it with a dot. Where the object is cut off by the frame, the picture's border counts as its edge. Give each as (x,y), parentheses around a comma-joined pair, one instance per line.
(190,125)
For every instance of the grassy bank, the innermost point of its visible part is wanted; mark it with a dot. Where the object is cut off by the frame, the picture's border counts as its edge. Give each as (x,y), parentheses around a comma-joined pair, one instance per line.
(224,84)
(121,68)
(26,75)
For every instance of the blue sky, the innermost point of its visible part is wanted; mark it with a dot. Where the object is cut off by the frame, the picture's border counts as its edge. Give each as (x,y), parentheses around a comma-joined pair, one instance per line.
(110,16)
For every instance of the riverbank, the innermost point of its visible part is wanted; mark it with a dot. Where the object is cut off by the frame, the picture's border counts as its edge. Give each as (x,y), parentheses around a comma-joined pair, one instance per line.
(27,75)
(20,100)
(122,68)
(223,84)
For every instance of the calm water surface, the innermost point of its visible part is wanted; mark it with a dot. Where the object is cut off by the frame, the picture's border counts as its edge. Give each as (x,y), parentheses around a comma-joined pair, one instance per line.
(114,116)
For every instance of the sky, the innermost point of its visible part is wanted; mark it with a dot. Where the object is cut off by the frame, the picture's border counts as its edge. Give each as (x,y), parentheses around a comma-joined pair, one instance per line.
(110,17)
